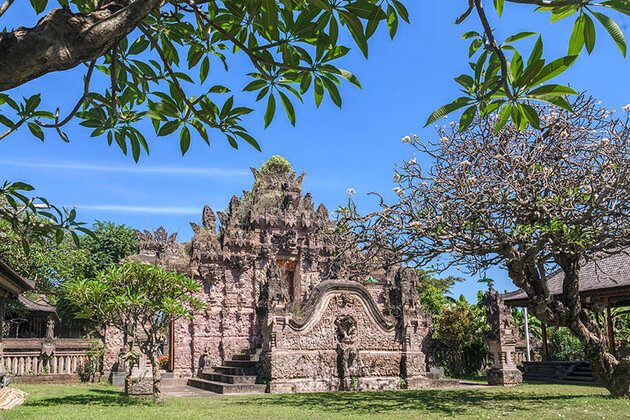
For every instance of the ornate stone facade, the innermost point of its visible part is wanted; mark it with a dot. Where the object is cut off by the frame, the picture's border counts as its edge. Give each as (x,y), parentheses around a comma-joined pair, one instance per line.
(502,339)
(275,284)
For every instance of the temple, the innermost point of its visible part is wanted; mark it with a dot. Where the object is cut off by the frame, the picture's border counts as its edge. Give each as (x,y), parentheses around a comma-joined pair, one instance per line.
(285,312)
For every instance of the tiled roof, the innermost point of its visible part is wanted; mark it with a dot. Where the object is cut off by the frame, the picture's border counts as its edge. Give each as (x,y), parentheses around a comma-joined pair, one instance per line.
(608,274)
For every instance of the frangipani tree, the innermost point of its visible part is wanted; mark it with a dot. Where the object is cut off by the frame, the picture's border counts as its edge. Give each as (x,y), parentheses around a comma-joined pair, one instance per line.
(525,199)
(505,80)
(135,297)
(160,61)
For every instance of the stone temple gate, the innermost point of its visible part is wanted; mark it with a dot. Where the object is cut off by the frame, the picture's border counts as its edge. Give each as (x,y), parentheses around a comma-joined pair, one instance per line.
(284,312)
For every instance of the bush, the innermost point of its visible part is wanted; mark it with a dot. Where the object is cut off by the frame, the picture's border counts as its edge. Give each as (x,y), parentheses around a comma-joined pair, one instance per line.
(563,345)
(92,369)
(460,346)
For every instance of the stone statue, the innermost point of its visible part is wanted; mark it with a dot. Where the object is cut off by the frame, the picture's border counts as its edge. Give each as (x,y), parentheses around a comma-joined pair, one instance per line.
(501,340)
(50,329)
(346,328)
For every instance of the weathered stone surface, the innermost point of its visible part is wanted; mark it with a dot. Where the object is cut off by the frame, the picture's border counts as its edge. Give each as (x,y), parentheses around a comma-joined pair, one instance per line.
(501,339)
(275,278)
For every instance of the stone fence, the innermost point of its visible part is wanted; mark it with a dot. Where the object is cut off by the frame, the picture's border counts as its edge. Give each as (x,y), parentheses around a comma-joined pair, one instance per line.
(39,356)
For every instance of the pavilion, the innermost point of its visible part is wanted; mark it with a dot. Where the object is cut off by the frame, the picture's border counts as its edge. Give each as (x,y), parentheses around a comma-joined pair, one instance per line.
(604,283)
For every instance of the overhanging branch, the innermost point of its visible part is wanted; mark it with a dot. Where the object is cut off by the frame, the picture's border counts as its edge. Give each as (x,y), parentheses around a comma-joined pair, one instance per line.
(62,40)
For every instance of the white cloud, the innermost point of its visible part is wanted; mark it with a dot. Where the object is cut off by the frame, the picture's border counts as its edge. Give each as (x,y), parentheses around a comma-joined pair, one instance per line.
(164,170)
(140,209)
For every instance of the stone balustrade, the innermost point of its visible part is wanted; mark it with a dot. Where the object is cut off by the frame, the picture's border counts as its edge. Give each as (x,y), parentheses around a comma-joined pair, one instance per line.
(36,356)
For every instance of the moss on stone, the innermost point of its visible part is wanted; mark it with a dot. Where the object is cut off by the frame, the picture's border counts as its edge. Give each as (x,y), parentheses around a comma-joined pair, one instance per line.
(276,164)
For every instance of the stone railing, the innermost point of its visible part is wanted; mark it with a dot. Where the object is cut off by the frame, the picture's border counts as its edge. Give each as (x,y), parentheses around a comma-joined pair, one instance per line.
(37,356)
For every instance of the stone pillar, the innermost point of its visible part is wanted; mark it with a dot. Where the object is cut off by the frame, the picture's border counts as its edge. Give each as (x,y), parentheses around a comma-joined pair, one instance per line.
(501,340)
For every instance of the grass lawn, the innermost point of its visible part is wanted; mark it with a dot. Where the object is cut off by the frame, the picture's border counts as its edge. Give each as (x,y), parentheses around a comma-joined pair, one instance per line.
(89,401)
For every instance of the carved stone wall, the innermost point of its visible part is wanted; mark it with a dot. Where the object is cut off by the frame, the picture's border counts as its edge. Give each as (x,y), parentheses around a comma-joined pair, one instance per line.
(270,278)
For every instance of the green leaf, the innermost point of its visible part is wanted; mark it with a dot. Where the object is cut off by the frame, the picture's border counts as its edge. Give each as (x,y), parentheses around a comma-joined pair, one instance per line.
(467,117)
(589,33)
(332,91)
(537,51)
(184,140)
(531,115)
(560,101)
(36,130)
(204,69)
(498,4)
(576,42)
(318,91)
(402,11)
(270,111)
(168,128)
(504,116)
(614,30)
(552,89)
(249,139)
(356,30)
(516,65)
(288,107)
(138,46)
(39,5)
(622,6)
(470,34)
(519,36)
(553,69)
(255,85)
(562,12)
(349,77)
(392,21)
(447,109)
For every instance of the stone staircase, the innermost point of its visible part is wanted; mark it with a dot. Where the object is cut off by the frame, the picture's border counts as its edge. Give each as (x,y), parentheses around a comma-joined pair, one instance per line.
(237,376)
(579,373)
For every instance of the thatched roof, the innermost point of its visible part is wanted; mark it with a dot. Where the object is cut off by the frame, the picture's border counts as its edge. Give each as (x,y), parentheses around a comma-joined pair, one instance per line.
(606,278)
(37,303)
(11,282)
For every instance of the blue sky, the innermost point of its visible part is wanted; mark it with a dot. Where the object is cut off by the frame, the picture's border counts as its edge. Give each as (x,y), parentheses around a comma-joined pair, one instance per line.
(353,147)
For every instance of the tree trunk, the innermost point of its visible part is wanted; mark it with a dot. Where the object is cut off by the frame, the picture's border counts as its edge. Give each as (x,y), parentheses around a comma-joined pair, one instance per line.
(157,379)
(614,374)
(129,370)
(567,311)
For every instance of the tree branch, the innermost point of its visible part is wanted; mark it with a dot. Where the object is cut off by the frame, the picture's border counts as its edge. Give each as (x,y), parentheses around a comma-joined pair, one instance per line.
(77,106)
(62,40)
(492,43)
(5,5)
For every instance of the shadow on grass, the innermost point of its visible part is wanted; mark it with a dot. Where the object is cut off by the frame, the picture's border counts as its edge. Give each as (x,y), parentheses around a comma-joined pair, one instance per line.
(92,396)
(434,401)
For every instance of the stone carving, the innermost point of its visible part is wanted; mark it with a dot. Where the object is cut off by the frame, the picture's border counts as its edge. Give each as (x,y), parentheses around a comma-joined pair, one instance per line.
(50,329)
(276,281)
(501,339)
(346,349)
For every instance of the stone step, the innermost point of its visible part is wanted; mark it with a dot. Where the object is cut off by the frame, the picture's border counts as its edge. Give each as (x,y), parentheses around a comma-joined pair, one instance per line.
(228,379)
(248,364)
(581,374)
(244,356)
(236,371)
(223,388)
